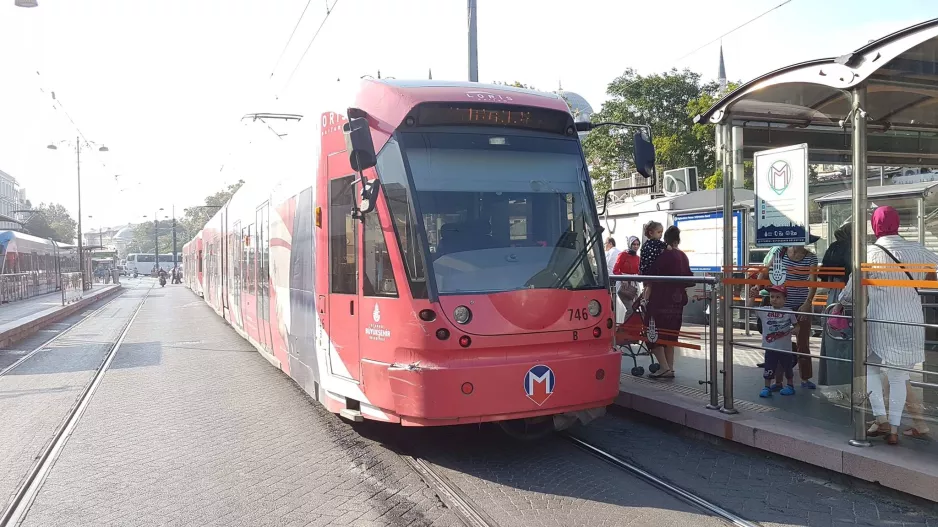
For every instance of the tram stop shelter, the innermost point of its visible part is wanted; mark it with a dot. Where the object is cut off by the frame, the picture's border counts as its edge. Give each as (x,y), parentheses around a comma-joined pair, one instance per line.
(876,106)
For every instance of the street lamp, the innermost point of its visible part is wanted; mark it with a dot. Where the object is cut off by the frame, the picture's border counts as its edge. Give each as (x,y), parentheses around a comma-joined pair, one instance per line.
(101,148)
(26,3)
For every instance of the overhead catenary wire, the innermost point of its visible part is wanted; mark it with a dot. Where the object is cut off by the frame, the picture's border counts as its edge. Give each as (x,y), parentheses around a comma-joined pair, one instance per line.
(329,11)
(698,48)
(58,105)
(285,46)
(737,28)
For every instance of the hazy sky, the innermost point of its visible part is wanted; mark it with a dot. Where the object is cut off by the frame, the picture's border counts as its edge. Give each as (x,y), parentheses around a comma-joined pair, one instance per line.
(164,83)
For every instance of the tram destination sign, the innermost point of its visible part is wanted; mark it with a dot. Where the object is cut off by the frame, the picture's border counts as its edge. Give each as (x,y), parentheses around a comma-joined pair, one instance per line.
(781,189)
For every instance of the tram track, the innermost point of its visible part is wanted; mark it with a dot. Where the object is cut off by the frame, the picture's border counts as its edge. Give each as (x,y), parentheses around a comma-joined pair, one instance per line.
(472,515)
(15,512)
(57,336)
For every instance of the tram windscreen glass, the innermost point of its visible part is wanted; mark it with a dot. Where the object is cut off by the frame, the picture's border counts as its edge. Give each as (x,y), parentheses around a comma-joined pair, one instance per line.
(516,117)
(504,212)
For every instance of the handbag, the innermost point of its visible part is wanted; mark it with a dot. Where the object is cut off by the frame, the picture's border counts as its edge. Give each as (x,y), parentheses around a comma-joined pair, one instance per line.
(627,292)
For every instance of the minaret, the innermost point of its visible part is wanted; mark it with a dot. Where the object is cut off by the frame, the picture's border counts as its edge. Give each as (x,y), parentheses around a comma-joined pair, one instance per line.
(721,76)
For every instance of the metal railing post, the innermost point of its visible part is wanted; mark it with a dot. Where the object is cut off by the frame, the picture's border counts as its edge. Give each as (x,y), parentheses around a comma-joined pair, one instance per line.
(714,367)
(727,311)
(706,280)
(859,393)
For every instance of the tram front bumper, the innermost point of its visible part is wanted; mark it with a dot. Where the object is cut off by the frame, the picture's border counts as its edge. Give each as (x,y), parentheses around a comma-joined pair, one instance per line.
(461,393)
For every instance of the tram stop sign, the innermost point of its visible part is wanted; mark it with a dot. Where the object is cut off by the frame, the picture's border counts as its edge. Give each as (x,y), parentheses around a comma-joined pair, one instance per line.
(781,201)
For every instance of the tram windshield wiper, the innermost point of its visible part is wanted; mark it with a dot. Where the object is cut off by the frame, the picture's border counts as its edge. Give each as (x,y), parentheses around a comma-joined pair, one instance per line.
(580,255)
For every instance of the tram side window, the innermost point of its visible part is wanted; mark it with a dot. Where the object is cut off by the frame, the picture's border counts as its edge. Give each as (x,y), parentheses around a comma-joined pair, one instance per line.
(252,243)
(244,259)
(343,236)
(393,177)
(379,276)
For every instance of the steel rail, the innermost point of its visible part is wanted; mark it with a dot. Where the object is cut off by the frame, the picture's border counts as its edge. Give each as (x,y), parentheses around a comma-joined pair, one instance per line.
(449,493)
(26,493)
(56,337)
(674,490)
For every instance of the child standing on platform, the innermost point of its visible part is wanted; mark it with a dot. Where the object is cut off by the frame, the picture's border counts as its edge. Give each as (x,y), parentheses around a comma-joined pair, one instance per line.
(777,329)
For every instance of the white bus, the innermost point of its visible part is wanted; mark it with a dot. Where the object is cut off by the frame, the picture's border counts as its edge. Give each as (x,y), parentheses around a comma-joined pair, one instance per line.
(145,263)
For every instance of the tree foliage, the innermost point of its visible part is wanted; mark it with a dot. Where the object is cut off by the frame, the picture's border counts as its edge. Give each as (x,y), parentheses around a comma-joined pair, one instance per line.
(196,217)
(192,221)
(52,221)
(667,102)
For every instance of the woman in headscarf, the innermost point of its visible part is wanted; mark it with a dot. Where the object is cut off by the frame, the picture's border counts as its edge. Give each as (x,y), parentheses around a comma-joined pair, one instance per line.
(892,344)
(837,373)
(628,263)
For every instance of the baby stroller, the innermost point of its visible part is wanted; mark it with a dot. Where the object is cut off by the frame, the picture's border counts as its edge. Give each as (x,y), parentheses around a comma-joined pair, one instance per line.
(630,339)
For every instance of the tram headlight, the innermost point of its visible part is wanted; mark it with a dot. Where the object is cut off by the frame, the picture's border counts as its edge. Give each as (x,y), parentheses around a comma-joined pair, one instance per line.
(595,308)
(462,315)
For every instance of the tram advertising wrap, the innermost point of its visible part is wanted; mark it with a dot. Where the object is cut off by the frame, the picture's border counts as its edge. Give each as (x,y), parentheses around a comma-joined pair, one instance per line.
(702,240)
(447,276)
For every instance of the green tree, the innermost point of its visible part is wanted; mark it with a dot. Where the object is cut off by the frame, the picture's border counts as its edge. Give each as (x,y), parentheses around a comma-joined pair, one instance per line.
(661,101)
(668,103)
(196,217)
(192,221)
(52,221)
(715,180)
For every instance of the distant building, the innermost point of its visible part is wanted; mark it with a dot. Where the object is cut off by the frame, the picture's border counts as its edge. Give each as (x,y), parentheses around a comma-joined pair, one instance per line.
(11,198)
(579,107)
(103,236)
(122,240)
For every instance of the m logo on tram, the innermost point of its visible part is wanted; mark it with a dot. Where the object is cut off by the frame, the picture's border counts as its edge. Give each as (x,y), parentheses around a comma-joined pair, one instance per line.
(539,384)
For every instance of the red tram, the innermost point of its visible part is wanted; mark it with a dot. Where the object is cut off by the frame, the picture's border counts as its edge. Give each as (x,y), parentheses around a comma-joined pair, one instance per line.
(459,278)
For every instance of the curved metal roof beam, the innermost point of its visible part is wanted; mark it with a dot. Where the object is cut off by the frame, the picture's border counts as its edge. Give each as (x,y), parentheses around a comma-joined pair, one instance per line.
(842,72)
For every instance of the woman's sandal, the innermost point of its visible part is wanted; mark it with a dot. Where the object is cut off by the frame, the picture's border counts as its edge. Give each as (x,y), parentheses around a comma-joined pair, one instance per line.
(882,429)
(914,433)
(667,374)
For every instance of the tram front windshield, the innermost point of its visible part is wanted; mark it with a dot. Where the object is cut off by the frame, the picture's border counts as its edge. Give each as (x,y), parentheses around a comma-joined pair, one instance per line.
(504,212)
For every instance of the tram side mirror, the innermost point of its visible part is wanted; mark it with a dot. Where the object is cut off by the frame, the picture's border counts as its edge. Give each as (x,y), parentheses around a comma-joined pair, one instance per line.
(358,144)
(643,154)
(369,195)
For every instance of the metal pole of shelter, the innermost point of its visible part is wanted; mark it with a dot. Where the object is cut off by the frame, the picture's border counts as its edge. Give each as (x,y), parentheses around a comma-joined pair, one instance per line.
(921,220)
(713,366)
(174,236)
(859,393)
(81,256)
(727,311)
(473,44)
(156,239)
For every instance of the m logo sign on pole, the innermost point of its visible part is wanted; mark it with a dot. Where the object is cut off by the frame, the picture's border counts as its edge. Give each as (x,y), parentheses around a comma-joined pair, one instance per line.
(779,176)
(781,202)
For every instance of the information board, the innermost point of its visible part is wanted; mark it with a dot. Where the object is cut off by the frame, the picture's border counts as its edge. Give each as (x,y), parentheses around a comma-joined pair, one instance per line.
(781,188)
(702,240)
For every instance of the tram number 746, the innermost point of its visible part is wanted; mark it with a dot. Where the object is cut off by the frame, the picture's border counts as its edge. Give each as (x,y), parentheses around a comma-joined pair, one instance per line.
(579,314)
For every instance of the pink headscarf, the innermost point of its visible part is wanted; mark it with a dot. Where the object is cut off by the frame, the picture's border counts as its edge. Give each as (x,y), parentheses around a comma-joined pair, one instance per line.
(885,221)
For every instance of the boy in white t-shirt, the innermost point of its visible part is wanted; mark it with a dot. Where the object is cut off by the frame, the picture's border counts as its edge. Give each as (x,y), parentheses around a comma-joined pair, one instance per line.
(777,329)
